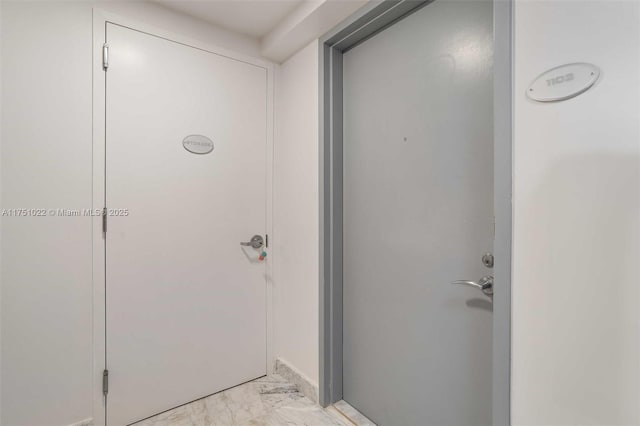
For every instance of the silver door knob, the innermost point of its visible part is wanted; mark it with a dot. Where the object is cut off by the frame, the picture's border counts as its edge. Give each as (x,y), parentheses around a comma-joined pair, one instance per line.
(485,284)
(256,242)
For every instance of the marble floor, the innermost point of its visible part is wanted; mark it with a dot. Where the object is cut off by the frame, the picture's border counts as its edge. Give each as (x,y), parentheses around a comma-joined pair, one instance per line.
(267,401)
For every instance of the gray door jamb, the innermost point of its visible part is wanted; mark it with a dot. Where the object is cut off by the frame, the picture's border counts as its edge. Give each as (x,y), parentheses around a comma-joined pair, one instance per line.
(375,17)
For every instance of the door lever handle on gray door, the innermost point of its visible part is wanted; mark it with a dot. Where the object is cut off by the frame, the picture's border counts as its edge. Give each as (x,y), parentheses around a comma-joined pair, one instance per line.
(485,284)
(256,242)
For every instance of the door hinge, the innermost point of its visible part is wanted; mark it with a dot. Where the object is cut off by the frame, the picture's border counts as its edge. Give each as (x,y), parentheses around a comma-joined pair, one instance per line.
(104,220)
(105,382)
(266,240)
(105,56)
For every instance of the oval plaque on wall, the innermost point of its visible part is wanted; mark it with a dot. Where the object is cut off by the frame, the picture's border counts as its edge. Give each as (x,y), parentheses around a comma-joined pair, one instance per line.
(563,82)
(198,144)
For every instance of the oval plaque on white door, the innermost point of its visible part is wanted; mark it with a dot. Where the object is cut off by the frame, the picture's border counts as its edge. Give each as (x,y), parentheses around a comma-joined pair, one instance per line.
(198,144)
(563,82)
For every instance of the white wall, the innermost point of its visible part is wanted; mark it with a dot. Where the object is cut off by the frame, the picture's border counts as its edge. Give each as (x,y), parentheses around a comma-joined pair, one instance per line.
(296,210)
(576,265)
(310,20)
(46,311)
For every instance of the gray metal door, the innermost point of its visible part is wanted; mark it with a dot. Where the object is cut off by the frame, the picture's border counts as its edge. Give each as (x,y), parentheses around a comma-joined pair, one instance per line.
(418,214)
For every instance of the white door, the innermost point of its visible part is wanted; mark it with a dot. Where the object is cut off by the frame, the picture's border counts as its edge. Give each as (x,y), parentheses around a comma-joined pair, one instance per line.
(185,303)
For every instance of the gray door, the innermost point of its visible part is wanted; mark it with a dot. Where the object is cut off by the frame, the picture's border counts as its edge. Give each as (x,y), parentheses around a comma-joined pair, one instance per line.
(418,214)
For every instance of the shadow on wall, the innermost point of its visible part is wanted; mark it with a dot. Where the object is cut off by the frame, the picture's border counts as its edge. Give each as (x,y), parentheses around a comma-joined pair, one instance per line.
(582,287)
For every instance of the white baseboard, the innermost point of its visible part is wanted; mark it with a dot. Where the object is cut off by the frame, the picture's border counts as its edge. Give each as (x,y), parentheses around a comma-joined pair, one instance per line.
(307,387)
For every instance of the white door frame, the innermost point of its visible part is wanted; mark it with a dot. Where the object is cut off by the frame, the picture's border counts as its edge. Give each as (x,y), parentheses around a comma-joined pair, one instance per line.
(100,19)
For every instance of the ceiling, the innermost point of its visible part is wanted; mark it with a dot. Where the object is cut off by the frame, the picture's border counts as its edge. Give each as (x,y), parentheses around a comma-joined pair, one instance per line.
(254,18)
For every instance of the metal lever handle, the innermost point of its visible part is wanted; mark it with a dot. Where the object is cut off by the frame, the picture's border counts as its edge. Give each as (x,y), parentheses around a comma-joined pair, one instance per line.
(470,283)
(485,284)
(256,242)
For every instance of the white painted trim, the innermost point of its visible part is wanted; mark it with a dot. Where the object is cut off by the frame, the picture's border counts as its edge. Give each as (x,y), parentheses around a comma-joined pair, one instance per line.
(106,16)
(270,320)
(100,18)
(97,202)
(305,385)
